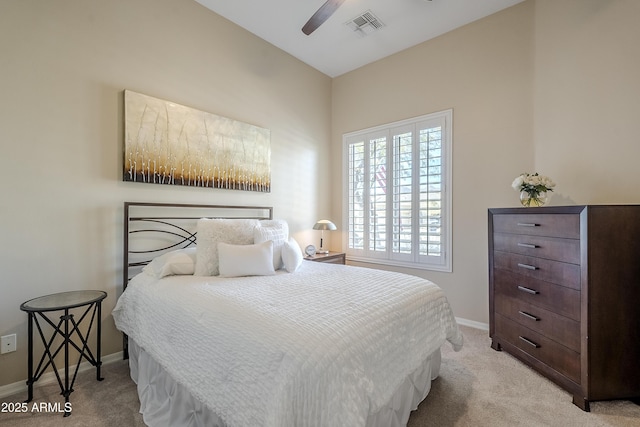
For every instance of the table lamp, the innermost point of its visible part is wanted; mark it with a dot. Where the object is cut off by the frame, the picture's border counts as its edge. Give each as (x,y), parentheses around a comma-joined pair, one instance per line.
(323,224)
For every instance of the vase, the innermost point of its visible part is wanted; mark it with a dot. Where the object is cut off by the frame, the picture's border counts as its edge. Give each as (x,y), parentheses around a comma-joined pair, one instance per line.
(533,200)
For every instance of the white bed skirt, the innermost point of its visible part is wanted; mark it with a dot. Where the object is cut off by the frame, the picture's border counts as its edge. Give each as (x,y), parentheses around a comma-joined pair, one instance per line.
(164,402)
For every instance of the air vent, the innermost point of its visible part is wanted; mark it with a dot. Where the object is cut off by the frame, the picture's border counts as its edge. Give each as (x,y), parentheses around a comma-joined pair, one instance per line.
(365,24)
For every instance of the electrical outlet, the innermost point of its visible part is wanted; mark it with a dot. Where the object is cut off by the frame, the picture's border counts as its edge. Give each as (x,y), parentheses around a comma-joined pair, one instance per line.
(7,343)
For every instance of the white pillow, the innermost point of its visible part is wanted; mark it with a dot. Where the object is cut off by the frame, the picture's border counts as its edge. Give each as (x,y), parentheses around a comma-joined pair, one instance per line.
(180,261)
(291,255)
(276,230)
(246,260)
(211,232)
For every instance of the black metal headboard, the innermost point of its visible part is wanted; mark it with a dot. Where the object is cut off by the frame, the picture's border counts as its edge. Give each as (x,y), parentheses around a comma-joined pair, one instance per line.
(151,229)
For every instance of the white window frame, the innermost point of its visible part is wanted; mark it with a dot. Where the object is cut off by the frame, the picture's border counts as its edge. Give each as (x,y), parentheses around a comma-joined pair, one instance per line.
(443,119)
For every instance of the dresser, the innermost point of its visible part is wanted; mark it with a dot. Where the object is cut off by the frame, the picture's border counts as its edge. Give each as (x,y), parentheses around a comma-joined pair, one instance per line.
(564,295)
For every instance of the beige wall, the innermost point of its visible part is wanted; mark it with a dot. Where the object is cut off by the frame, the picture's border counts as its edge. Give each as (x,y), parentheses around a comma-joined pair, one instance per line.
(484,72)
(546,85)
(587,99)
(64,65)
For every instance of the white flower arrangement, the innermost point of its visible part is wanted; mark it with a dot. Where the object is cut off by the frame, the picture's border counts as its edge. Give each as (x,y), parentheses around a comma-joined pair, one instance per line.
(534,185)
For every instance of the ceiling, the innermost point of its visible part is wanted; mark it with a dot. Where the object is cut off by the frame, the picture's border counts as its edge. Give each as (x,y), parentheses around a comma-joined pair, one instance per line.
(335,48)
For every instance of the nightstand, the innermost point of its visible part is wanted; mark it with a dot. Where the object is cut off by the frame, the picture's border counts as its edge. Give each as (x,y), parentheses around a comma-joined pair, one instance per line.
(71,333)
(331,257)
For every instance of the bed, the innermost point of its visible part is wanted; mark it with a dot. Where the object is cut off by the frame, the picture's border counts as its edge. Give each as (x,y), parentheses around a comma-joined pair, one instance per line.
(240,331)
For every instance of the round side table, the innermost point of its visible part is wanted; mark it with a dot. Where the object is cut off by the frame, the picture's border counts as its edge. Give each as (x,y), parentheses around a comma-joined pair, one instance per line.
(66,327)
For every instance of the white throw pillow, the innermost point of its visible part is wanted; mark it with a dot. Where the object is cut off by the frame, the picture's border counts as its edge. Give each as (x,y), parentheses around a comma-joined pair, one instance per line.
(213,231)
(291,255)
(180,261)
(246,260)
(276,230)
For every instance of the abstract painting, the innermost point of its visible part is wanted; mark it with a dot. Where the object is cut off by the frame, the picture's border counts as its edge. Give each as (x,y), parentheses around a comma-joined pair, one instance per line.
(167,143)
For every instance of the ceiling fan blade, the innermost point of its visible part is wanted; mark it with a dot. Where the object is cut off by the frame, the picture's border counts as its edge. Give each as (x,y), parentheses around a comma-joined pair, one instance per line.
(321,15)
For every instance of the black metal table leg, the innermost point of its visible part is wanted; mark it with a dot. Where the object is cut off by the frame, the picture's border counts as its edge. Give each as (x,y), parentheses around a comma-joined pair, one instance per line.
(67,391)
(98,344)
(30,359)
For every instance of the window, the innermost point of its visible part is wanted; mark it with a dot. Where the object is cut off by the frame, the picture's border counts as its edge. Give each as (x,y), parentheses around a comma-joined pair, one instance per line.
(398,198)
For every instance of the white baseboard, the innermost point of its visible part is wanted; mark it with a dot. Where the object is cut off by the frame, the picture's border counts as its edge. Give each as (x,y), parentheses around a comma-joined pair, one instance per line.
(50,377)
(472,324)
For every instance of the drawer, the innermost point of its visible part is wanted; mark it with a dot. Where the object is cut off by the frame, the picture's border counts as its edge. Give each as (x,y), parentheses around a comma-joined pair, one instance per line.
(551,225)
(330,258)
(561,273)
(564,250)
(558,299)
(561,329)
(339,260)
(549,352)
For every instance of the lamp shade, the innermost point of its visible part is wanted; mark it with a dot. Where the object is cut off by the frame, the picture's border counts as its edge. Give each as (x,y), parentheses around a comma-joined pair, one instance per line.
(324,224)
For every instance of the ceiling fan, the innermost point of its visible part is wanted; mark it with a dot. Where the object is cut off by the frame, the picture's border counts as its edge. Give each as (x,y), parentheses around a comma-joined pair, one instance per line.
(321,15)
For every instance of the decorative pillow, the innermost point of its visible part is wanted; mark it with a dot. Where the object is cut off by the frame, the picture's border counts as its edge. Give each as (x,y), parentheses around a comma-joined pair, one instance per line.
(291,255)
(180,261)
(213,231)
(246,260)
(276,230)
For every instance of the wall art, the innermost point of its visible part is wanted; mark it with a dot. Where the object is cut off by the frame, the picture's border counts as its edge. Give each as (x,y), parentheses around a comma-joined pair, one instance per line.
(170,144)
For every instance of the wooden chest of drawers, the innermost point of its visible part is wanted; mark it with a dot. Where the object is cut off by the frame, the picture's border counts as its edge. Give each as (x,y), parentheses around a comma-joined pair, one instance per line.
(564,295)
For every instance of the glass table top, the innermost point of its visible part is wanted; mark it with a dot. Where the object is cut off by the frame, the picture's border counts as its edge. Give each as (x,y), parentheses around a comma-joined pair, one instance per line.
(63,300)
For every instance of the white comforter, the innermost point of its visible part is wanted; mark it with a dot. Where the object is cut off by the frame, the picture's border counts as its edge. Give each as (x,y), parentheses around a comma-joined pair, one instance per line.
(323,346)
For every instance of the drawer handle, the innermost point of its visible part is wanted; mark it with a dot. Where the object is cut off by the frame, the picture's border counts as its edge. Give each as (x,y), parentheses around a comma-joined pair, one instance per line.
(528,290)
(527,266)
(529,316)
(531,343)
(528,245)
(527,224)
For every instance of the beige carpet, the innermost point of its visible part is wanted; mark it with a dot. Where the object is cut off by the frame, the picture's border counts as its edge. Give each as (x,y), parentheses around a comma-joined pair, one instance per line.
(477,387)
